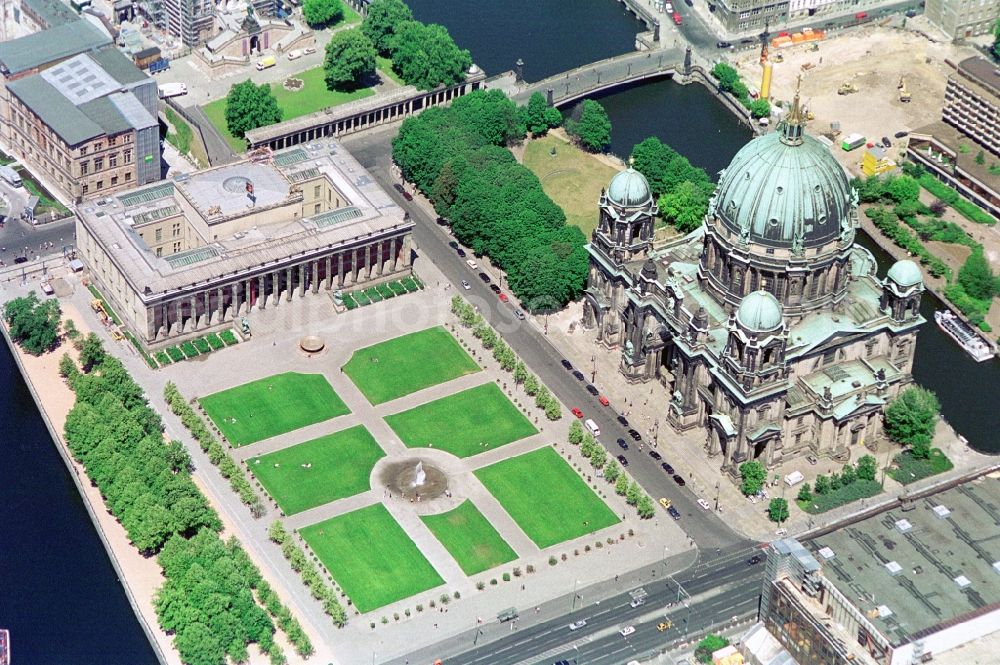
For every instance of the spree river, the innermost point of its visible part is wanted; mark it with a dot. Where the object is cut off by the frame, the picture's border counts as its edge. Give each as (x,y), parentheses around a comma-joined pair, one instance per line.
(554,35)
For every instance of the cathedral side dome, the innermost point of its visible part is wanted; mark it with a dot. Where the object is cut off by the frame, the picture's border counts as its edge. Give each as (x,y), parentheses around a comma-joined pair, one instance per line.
(905,273)
(759,311)
(785,190)
(629,189)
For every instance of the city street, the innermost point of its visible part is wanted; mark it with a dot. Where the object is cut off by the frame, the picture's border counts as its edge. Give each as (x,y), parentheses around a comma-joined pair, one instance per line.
(704,527)
(717,589)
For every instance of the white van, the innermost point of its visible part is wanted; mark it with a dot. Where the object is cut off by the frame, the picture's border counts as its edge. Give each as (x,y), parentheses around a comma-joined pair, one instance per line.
(592,426)
(472,264)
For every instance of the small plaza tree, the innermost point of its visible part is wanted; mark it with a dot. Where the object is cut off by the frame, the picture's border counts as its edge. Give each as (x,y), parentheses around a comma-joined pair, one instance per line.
(350,58)
(587,444)
(753,475)
(552,410)
(612,473)
(91,352)
(542,397)
(633,494)
(621,485)
(867,468)
(521,372)
(911,419)
(575,433)
(249,106)
(822,484)
(805,493)
(645,507)
(531,384)
(777,510)
(598,457)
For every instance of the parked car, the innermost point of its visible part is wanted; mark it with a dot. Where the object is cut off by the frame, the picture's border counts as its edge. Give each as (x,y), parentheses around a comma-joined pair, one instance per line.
(667,468)
(472,264)
(812,459)
(911,13)
(673,512)
(577,625)
(460,252)
(593,390)
(399,188)
(519,314)
(635,435)
(754,560)
(623,421)
(748,40)
(407,195)
(655,455)
(622,460)
(627,630)
(578,375)
(677,18)
(504,298)
(886,142)
(704,504)
(665,502)
(294,55)
(495,289)
(486,278)
(900,135)
(622,444)
(577,412)
(604,401)
(723,45)
(453,244)
(309,50)
(679,480)
(567,364)
(466,285)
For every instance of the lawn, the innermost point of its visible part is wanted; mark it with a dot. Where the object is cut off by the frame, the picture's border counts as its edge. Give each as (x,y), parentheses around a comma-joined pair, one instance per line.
(406,364)
(463,424)
(572,178)
(546,497)
(340,465)
(384,66)
(470,538)
(371,557)
(274,405)
(313,96)
(907,469)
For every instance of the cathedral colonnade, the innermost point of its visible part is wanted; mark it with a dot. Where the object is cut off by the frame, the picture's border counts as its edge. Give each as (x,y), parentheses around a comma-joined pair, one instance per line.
(221,302)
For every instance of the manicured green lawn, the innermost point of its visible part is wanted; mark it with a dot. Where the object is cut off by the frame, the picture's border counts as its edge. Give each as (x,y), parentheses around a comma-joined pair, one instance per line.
(384,66)
(470,538)
(371,557)
(313,96)
(274,405)
(406,364)
(463,424)
(340,465)
(546,497)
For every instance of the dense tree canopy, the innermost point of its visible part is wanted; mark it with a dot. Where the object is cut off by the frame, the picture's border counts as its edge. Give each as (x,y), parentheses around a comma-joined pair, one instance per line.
(538,117)
(976,277)
(760,108)
(33,324)
(319,13)
(683,190)
(426,56)
(249,106)
(350,58)
(382,20)
(777,510)
(593,128)
(911,418)
(685,206)
(495,205)
(752,475)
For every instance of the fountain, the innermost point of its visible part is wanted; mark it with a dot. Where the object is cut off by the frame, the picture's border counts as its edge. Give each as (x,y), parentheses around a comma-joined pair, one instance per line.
(414,479)
(418,475)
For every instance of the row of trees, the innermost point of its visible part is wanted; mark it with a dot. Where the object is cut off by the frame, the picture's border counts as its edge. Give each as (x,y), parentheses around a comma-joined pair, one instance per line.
(866,470)
(311,576)
(681,189)
(33,324)
(592,449)
(424,55)
(506,357)
(458,157)
(729,81)
(207,600)
(217,454)
(322,13)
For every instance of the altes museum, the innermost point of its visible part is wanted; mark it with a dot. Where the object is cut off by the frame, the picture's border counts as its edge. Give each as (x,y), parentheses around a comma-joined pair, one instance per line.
(768,325)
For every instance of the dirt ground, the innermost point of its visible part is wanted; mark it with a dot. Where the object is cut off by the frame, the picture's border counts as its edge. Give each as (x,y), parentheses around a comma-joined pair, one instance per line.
(873,59)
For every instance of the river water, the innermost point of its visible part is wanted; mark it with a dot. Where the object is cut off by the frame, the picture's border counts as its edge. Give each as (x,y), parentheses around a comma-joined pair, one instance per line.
(59,595)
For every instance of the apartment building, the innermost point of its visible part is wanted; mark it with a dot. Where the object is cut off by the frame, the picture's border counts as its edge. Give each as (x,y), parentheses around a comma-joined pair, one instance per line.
(963,18)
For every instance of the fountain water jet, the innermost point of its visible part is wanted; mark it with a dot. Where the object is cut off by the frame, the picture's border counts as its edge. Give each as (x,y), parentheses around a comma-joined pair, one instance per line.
(418,475)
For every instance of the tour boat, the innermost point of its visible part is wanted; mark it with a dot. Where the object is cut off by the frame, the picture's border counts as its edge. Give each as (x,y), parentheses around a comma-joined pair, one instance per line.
(962,333)
(4,646)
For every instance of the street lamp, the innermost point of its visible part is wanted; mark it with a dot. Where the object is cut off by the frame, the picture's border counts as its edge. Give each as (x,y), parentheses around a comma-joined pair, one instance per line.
(573,606)
(716,495)
(593,370)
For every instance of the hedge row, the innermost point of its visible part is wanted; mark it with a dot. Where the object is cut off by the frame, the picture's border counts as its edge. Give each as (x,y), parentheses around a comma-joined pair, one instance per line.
(310,574)
(888,223)
(968,210)
(229,469)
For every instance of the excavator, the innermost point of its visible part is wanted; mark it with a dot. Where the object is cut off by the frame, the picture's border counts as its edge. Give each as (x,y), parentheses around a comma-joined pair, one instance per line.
(846,88)
(904,93)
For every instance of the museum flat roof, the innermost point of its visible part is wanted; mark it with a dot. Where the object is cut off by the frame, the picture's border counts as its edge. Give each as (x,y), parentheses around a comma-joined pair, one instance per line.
(368,210)
(57,43)
(945,565)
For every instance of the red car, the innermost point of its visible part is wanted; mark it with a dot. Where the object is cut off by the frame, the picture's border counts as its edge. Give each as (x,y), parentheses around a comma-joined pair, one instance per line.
(603,400)
(503,297)
(676,17)
(577,412)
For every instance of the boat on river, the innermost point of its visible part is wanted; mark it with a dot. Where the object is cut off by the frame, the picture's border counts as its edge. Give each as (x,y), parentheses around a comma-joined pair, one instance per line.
(962,332)
(4,646)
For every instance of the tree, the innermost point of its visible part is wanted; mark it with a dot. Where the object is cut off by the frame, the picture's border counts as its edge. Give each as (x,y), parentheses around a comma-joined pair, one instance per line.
(835,482)
(588,444)
(575,433)
(902,188)
(491,114)
(381,21)
(520,372)
(645,507)
(760,108)
(633,493)
(426,56)
(976,277)
(249,106)
(712,643)
(727,76)
(805,493)
(848,474)
(542,397)
(621,485)
(320,13)
(33,324)
(531,384)
(91,352)
(612,472)
(552,410)
(350,58)
(753,476)
(538,116)
(980,158)
(598,457)
(69,328)
(593,128)
(995,50)
(867,468)
(67,368)
(685,207)
(777,510)
(911,418)
(822,484)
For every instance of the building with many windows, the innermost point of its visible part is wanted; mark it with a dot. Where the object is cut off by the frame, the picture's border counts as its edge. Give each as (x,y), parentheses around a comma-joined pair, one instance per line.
(185,256)
(963,18)
(87,125)
(768,325)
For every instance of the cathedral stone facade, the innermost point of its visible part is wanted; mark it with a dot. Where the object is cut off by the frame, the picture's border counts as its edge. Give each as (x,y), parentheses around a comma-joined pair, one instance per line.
(768,325)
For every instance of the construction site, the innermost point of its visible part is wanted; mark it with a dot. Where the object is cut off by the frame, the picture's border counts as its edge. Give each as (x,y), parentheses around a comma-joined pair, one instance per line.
(872,82)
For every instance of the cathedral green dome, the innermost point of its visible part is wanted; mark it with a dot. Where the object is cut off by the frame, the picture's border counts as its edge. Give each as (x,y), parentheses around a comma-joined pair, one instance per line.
(785,190)
(905,273)
(629,189)
(759,311)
